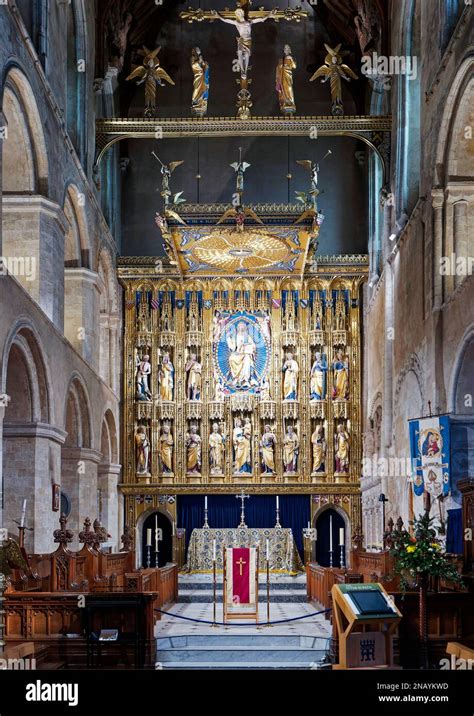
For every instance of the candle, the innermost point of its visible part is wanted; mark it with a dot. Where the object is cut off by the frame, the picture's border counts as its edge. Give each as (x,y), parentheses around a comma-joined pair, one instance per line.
(23,514)
(341,535)
(205,503)
(156,533)
(148,537)
(278,502)
(330,533)
(267,550)
(309,524)
(214,550)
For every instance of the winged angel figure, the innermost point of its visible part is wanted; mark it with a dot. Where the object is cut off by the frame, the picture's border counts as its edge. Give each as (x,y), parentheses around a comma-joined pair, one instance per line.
(239,213)
(151,73)
(333,70)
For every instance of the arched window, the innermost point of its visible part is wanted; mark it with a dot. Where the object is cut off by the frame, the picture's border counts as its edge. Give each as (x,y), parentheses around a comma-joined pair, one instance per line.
(76,78)
(408,112)
(34,14)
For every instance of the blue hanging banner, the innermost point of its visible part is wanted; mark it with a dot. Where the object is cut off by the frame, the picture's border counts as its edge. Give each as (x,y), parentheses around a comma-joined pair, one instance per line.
(430,448)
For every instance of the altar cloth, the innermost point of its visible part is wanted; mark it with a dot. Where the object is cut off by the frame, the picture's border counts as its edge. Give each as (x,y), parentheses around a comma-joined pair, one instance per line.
(284,556)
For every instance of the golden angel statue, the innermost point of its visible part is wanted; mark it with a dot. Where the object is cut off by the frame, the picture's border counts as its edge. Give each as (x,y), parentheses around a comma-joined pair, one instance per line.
(200,70)
(151,74)
(333,70)
(284,82)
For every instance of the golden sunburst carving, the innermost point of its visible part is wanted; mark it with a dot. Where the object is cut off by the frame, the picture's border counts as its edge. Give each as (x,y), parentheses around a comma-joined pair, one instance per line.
(231,250)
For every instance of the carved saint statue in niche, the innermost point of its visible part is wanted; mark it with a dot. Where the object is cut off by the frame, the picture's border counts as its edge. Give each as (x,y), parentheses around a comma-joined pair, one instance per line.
(318,442)
(267,450)
(290,450)
(142,446)
(342,445)
(165,449)
(318,377)
(340,366)
(290,383)
(166,378)
(193,371)
(142,377)
(216,451)
(241,439)
(193,450)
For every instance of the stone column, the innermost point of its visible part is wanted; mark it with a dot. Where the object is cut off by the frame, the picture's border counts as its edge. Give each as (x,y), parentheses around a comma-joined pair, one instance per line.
(108,480)
(437,201)
(448,243)
(33,244)
(79,467)
(3,136)
(114,324)
(31,453)
(4,400)
(460,236)
(81,306)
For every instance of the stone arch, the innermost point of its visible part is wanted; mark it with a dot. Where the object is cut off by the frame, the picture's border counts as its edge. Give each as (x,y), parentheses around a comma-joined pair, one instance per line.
(139,527)
(25,159)
(347,529)
(23,344)
(453,148)
(76,66)
(29,447)
(77,242)
(108,441)
(413,368)
(462,380)
(77,414)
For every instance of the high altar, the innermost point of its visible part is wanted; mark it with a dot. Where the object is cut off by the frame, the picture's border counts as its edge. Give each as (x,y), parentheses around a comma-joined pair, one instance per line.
(242,363)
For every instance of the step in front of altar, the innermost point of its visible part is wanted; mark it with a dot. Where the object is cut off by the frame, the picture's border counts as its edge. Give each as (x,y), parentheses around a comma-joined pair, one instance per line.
(206,596)
(240,652)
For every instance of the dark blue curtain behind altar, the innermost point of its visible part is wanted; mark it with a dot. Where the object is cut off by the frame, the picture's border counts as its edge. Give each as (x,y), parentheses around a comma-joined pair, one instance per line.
(454,543)
(224,511)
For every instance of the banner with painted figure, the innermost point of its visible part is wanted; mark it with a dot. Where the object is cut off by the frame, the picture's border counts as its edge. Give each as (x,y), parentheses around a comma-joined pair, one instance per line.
(431,455)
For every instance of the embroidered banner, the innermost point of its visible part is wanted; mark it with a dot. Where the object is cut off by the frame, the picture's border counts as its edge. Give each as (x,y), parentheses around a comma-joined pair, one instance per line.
(241,592)
(431,455)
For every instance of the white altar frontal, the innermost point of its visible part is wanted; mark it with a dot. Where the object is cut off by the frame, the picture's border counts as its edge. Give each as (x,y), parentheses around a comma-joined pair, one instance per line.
(283,555)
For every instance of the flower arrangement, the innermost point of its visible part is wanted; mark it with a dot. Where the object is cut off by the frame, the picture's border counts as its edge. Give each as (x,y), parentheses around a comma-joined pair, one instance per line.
(419,555)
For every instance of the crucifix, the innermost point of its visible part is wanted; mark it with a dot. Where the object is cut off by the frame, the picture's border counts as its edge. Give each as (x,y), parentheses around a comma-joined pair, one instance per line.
(243,18)
(241,563)
(242,497)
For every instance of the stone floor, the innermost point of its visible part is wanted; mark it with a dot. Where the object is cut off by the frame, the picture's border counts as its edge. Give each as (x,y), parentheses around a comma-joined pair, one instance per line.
(300,644)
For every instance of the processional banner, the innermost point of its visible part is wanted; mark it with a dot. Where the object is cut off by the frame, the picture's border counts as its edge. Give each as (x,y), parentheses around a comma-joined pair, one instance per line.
(431,455)
(240,583)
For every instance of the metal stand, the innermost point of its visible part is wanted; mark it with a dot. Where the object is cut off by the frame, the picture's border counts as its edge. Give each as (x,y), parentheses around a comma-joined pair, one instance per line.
(148,556)
(214,607)
(277,523)
(206,523)
(157,558)
(268,592)
(342,556)
(330,558)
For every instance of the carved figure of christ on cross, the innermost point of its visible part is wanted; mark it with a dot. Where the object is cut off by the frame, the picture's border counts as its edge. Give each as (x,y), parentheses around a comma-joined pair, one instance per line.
(244,29)
(240,563)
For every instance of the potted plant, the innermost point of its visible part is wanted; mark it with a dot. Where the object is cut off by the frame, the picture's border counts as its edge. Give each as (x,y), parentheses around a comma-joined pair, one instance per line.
(418,556)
